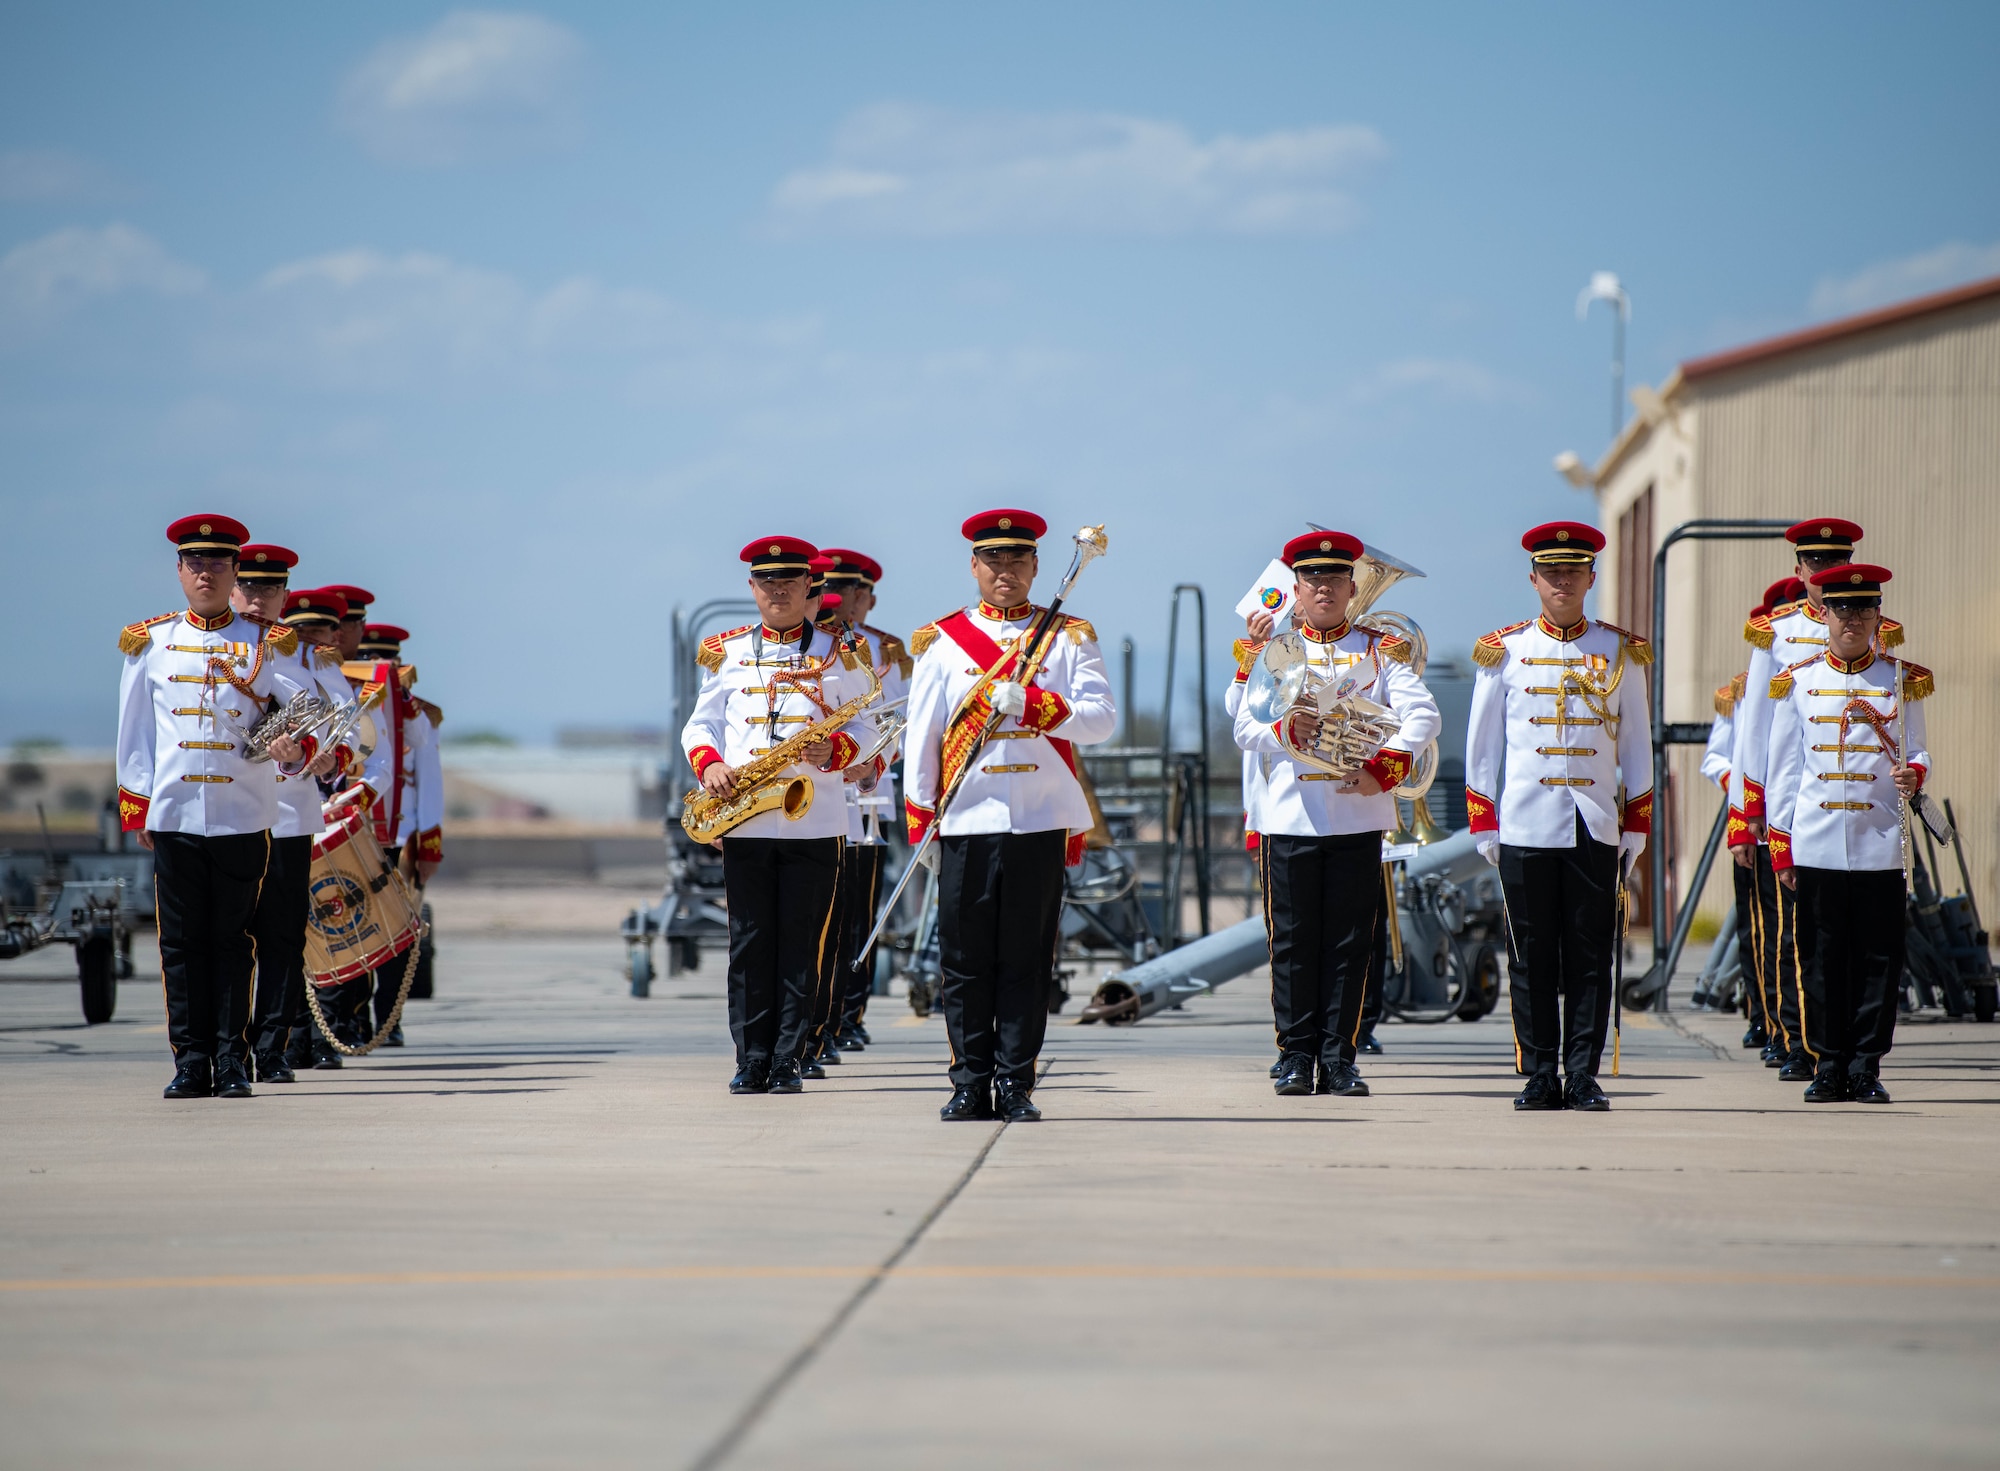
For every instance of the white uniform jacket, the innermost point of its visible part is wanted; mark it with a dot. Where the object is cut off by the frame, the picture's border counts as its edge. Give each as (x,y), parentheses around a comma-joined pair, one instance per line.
(191,690)
(401,772)
(1253,763)
(1021,781)
(1565,710)
(1300,801)
(892,666)
(1721,745)
(1832,798)
(299,799)
(738,716)
(1791,632)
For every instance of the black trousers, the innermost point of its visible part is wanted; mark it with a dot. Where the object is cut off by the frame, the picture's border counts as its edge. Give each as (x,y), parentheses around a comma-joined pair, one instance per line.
(861,882)
(781,894)
(831,986)
(205,895)
(1562,904)
(280,928)
(1777,923)
(1323,903)
(1850,928)
(1750,947)
(1378,962)
(999,916)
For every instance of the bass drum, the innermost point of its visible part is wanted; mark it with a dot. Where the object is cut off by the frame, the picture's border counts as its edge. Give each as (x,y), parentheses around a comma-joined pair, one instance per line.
(361,914)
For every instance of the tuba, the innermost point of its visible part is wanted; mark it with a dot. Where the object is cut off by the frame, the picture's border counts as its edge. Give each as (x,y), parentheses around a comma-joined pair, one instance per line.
(1352,727)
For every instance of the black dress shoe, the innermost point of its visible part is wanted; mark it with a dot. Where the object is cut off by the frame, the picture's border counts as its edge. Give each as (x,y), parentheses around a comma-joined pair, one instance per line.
(1295,1076)
(1798,1068)
(785,1076)
(193,1078)
(1755,1038)
(1012,1102)
(271,1068)
(1370,1046)
(1278,1066)
(232,1079)
(1585,1096)
(753,1077)
(829,1052)
(968,1105)
(395,1037)
(862,1032)
(1773,1054)
(1827,1087)
(1344,1080)
(849,1039)
(1866,1089)
(324,1057)
(1542,1093)
(808,1067)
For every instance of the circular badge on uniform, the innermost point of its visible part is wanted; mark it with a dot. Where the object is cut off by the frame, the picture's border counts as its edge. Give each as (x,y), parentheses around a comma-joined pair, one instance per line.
(1271,597)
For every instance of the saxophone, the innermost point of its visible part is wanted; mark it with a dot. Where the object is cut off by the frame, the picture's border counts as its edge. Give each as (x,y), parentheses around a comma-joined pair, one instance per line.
(760,784)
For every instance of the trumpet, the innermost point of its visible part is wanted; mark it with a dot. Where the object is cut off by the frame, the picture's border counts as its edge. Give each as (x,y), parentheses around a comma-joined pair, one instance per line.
(1352,727)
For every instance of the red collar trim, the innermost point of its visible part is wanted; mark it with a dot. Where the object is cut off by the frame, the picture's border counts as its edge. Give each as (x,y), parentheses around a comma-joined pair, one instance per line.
(790,637)
(1324,636)
(1006,615)
(1818,615)
(1838,666)
(209,625)
(1566,635)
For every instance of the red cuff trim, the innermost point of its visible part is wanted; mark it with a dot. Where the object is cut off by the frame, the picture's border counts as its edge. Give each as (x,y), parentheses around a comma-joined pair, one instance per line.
(845,749)
(1781,850)
(701,757)
(1045,709)
(1737,834)
(1753,800)
(1073,850)
(1918,768)
(1639,814)
(919,820)
(132,809)
(1390,768)
(430,845)
(1242,676)
(1250,839)
(1480,813)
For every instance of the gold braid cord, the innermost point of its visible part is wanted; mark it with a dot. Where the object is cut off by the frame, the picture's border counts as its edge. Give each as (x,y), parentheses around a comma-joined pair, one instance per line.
(395,1016)
(1596,697)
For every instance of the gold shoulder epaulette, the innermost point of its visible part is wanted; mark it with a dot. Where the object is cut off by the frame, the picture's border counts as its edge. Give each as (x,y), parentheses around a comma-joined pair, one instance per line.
(1245,652)
(324,657)
(1918,682)
(360,669)
(133,638)
(1786,608)
(1638,649)
(1080,630)
(1492,648)
(406,676)
(712,653)
(1781,683)
(1891,634)
(281,636)
(1739,684)
(429,711)
(893,651)
(923,638)
(1397,647)
(1758,631)
(1725,700)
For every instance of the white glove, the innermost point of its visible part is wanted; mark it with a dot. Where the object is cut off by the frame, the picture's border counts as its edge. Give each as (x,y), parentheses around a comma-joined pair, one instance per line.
(1008,698)
(929,859)
(1489,848)
(1630,846)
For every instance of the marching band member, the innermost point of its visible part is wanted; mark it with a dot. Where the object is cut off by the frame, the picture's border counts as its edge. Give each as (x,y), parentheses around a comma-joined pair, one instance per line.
(823,608)
(194,684)
(852,580)
(316,613)
(1559,698)
(1320,836)
(279,1009)
(1790,632)
(1715,759)
(354,622)
(1760,919)
(1847,753)
(1019,816)
(764,682)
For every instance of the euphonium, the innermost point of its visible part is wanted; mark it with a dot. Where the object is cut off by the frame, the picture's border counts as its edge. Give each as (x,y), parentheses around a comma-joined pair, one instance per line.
(761,785)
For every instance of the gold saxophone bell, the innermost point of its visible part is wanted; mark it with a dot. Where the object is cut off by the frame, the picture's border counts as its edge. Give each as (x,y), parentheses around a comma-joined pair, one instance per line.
(1426,828)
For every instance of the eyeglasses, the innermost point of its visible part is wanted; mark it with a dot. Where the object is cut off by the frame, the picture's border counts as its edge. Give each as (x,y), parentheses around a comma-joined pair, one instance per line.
(1324,581)
(199,565)
(768,578)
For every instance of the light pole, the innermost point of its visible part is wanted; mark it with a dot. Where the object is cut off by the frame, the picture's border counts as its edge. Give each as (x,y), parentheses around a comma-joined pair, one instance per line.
(1604,286)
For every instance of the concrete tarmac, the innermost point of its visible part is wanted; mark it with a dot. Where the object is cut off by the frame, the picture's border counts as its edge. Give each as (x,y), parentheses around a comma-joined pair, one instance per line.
(543,1235)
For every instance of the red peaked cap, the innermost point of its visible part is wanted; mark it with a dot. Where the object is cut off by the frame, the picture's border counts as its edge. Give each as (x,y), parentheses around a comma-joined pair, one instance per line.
(263,562)
(1558,542)
(779,554)
(358,598)
(210,533)
(1853,580)
(1784,590)
(1824,534)
(1005,527)
(853,565)
(383,633)
(828,602)
(315,605)
(1322,551)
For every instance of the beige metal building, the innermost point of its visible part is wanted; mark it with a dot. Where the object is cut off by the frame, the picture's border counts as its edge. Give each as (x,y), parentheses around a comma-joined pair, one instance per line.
(1891,419)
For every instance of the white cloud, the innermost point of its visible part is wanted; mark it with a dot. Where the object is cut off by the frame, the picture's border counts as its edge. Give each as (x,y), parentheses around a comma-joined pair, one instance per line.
(478,84)
(1951,264)
(897,169)
(69,266)
(31,175)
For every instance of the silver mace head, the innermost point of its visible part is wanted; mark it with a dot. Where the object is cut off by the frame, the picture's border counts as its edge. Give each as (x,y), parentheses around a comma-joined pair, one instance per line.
(1091,543)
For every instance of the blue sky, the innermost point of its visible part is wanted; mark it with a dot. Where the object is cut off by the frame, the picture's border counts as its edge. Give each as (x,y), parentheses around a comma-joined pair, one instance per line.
(528,319)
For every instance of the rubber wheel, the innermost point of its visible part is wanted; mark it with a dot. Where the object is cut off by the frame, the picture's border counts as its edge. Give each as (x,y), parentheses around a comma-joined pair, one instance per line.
(97,970)
(639,969)
(1482,991)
